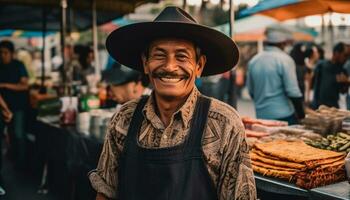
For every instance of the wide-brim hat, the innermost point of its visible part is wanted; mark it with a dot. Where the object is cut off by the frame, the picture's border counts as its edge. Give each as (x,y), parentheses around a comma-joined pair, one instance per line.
(126,44)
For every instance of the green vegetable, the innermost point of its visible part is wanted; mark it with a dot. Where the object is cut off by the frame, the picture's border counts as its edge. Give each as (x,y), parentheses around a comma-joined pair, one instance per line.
(344,135)
(344,147)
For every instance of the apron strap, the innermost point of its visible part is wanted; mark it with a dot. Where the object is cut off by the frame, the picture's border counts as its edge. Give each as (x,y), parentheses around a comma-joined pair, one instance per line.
(135,124)
(193,146)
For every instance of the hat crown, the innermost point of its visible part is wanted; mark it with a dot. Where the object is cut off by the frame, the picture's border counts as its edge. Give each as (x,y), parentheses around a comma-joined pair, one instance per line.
(174,14)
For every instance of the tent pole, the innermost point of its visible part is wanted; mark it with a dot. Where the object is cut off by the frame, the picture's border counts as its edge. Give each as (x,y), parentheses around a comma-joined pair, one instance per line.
(331,31)
(44,23)
(323,29)
(94,38)
(232,97)
(63,38)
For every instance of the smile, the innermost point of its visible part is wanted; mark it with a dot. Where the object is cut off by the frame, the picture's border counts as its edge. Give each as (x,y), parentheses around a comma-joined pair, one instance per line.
(170,79)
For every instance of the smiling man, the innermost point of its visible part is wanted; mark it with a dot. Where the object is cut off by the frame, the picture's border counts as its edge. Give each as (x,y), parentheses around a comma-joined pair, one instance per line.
(176,143)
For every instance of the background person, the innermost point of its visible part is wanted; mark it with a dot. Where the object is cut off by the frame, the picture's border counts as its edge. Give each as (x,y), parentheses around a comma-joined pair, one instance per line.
(14,90)
(272,81)
(331,78)
(6,117)
(305,56)
(124,84)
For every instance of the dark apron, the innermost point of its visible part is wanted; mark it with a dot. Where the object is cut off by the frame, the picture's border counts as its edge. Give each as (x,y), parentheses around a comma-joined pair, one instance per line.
(174,173)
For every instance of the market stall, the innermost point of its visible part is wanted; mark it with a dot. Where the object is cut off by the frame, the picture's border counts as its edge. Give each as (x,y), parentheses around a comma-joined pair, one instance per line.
(68,156)
(283,164)
(306,161)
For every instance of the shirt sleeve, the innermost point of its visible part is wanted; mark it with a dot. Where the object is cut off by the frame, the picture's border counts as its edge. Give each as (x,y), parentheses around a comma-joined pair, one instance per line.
(250,84)
(289,77)
(104,178)
(22,70)
(236,174)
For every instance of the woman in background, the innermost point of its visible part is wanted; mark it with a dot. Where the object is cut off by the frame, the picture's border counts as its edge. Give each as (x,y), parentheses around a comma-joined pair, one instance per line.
(305,56)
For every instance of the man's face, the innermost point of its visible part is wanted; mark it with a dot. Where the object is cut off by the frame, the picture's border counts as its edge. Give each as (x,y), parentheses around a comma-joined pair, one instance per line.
(123,93)
(172,67)
(341,57)
(5,55)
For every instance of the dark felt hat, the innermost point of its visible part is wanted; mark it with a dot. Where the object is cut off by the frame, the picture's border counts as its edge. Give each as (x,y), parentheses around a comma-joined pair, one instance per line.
(127,43)
(120,75)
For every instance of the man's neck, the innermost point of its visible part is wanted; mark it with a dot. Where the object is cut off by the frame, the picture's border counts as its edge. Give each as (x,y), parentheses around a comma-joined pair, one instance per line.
(166,107)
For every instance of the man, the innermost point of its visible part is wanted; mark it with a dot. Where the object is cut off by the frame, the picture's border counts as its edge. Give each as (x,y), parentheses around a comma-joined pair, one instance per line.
(13,88)
(6,116)
(5,111)
(347,68)
(272,80)
(176,144)
(330,78)
(124,84)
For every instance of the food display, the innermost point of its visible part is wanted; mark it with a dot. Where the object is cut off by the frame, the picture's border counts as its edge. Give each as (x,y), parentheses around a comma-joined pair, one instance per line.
(297,162)
(248,121)
(339,142)
(260,131)
(325,120)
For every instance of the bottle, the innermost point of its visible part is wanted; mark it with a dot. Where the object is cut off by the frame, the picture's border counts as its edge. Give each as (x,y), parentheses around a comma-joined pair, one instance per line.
(102,95)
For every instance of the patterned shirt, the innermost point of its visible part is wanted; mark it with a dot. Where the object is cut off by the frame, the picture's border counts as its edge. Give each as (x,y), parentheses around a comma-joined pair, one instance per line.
(224,145)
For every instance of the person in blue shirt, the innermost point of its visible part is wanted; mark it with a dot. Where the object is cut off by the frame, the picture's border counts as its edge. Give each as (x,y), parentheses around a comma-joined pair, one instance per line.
(272,81)
(14,90)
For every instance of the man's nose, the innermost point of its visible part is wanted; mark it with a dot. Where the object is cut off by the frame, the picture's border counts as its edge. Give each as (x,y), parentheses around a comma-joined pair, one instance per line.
(171,63)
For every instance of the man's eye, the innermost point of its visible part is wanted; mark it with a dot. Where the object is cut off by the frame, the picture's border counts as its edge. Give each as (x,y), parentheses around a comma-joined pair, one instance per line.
(182,57)
(158,56)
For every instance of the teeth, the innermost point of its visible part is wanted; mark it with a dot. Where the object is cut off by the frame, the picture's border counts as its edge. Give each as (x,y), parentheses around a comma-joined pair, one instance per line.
(171,80)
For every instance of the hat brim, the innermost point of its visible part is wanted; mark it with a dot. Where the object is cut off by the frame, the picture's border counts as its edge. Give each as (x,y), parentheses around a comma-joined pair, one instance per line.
(127,43)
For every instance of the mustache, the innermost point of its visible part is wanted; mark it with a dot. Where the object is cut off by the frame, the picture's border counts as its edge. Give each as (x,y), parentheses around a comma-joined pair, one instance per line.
(165,74)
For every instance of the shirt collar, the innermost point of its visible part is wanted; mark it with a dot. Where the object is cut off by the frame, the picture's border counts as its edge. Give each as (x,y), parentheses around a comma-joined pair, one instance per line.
(185,112)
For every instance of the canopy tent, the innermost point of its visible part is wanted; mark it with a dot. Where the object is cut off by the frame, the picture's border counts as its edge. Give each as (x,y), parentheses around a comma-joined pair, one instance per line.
(111,26)
(21,33)
(53,15)
(291,9)
(27,14)
(244,30)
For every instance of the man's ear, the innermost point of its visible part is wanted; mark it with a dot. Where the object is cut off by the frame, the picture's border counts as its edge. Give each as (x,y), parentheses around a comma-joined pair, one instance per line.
(200,65)
(144,64)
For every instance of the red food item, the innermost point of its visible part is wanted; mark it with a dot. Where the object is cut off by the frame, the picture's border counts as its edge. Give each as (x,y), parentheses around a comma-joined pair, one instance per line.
(250,133)
(271,123)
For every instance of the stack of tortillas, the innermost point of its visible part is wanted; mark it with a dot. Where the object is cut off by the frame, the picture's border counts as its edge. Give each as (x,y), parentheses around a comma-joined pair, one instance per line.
(297,162)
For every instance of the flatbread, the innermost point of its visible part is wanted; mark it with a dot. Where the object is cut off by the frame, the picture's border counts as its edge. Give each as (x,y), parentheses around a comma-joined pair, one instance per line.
(320,180)
(323,170)
(279,163)
(260,153)
(315,163)
(268,166)
(274,173)
(296,151)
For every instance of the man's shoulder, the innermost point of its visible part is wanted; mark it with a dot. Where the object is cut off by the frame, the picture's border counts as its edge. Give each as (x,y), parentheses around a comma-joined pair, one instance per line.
(223,124)
(122,118)
(222,112)
(17,63)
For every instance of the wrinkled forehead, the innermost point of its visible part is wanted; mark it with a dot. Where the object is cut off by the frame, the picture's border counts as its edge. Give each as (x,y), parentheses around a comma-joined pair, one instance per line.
(172,43)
